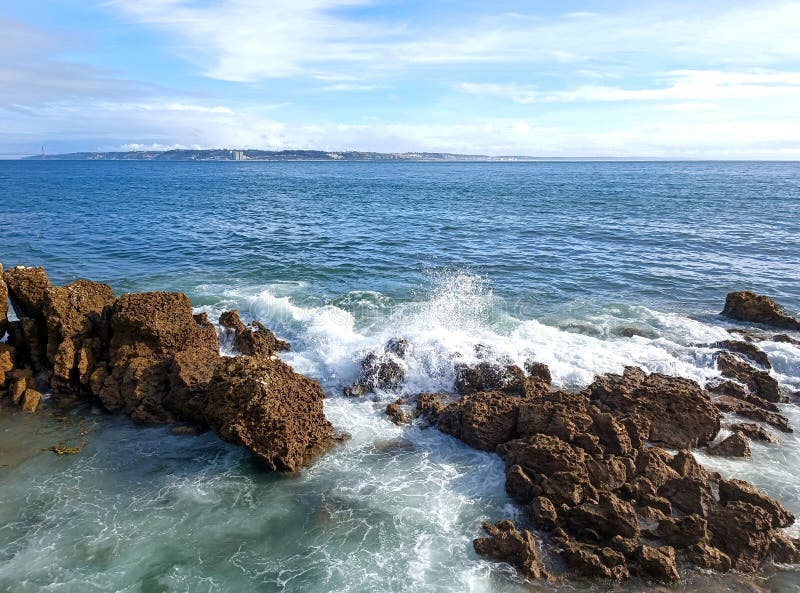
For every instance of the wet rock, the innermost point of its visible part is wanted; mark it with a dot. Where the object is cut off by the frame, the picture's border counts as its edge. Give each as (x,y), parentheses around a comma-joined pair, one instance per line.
(680,412)
(482,420)
(30,400)
(684,532)
(736,445)
(753,412)
(26,289)
(755,308)
(489,376)
(77,331)
(759,382)
(657,562)
(7,361)
(560,414)
(743,532)
(253,339)
(539,379)
(754,432)
(188,375)
(785,339)
(590,560)
(543,512)
(429,406)
(398,346)
(746,349)
(707,556)
(397,414)
(690,495)
(382,370)
(785,549)
(506,544)
(739,391)
(608,517)
(263,405)
(3,304)
(738,490)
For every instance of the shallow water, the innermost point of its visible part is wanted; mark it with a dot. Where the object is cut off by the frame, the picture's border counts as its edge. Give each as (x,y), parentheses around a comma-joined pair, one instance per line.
(549,260)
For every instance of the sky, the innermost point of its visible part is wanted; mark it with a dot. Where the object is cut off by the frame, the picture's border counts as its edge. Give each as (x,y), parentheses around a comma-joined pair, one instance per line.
(609,78)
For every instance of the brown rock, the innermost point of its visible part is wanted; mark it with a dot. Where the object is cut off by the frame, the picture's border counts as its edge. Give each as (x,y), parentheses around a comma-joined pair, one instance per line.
(785,549)
(396,413)
(785,339)
(7,358)
(680,412)
(429,406)
(3,304)
(658,562)
(539,379)
(684,532)
(77,331)
(253,339)
(739,391)
(382,370)
(759,382)
(188,375)
(603,520)
(591,561)
(690,495)
(263,405)
(708,557)
(489,376)
(746,349)
(753,412)
(743,532)
(30,400)
(738,490)
(506,544)
(543,512)
(26,289)
(755,308)
(736,445)
(754,432)
(482,420)
(17,389)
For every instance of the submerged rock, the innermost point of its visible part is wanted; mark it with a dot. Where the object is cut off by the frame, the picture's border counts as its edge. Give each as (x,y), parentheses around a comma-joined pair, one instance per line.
(759,382)
(507,544)
(746,349)
(263,405)
(754,432)
(753,412)
(397,414)
(253,339)
(756,308)
(384,370)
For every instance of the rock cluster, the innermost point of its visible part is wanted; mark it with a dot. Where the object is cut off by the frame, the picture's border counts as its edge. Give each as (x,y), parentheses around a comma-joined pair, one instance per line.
(589,472)
(149,356)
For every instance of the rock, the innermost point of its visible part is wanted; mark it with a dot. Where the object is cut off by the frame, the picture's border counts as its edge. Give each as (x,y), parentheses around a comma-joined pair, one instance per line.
(739,391)
(379,371)
(188,375)
(253,339)
(539,379)
(543,512)
(603,520)
(30,400)
(560,414)
(746,349)
(263,405)
(708,557)
(482,420)
(736,445)
(429,406)
(489,376)
(398,346)
(17,389)
(591,561)
(785,549)
(738,490)
(754,432)
(77,331)
(785,339)
(8,356)
(690,495)
(148,331)
(506,544)
(743,532)
(3,304)
(26,289)
(396,413)
(680,412)
(657,562)
(748,410)
(755,308)
(759,382)
(684,532)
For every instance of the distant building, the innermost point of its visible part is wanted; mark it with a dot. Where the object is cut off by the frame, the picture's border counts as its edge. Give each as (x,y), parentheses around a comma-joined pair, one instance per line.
(238,155)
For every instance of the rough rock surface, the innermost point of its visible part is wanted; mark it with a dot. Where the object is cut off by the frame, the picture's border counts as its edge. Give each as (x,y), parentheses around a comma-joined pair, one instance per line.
(397,414)
(3,304)
(262,404)
(507,544)
(746,349)
(759,382)
(735,445)
(383,370)
(584,468)
(756,308)
(753,412)
(506,378)
(26,290)
(754,432)
(253,339)
(681,414)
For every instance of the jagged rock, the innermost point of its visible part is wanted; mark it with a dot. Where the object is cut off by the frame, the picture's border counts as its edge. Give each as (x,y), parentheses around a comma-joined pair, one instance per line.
(30,400)
(684,532)
(591,561)
(77,331)
(759,382)
(149,330)
(708,557)
(738,490)
(560,414)
(690,495)
(739,391)
(429,406)
(785,549)
(657,562)
(263,405)
(26,289)
(489,376)
(743,532)
(735,445)
(747,349)
(482,420)
(253,339)
(3,304)
(755,308)
(7,360)
(604,519)
(539,378)
(687,466)
(543,512)
(506,544)
(379,371)
(754,432)
(189,373)
(680,412)
(785,339)
(398,346)
(753,412)
(396,413)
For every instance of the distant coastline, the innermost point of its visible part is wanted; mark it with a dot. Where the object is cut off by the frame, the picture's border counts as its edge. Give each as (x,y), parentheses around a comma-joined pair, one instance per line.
(299,155)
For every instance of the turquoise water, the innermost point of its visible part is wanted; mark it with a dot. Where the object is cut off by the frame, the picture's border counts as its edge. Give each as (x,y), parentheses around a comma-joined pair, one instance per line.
(551,260)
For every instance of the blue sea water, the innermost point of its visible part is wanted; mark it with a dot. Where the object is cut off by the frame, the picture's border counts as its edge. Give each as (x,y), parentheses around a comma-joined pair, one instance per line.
(559,261)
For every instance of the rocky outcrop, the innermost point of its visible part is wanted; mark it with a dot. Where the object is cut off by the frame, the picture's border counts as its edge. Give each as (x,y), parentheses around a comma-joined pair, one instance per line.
(26,291)
(383,370)
(3,305)
(755,308)
(747,350)
(759,382)
(506,378)
(584,468)
(253,339)
(263,405)
(680,412)
(751,411)
(396,413)
(736,445)
(507,544)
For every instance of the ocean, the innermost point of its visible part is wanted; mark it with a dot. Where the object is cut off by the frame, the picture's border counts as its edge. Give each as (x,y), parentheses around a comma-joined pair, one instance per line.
(585,266)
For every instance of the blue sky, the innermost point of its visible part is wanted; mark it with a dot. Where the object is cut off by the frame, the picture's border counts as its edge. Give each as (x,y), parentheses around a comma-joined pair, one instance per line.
(629,79)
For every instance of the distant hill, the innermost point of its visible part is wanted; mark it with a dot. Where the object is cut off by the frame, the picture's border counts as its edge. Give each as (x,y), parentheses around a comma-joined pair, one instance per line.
(284,155)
